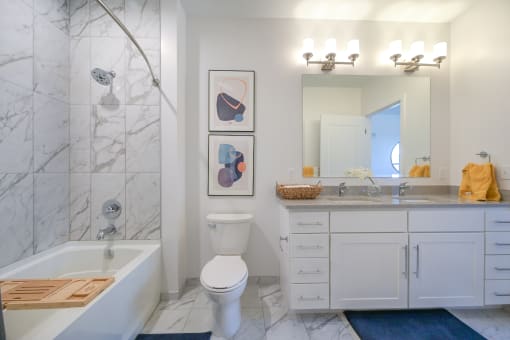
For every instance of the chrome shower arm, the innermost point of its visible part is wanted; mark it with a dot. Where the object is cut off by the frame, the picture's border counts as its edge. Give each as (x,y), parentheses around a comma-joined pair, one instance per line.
(155,80)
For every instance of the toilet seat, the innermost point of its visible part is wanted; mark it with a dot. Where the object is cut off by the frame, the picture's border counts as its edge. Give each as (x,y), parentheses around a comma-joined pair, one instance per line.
(224,273)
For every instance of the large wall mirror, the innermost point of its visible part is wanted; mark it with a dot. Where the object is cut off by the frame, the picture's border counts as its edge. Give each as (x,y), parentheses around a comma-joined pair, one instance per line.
(377,124)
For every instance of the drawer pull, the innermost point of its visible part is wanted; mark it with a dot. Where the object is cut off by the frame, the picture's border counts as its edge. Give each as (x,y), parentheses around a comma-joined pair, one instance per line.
(502,222)
(317,246)
(309,223)
(502,294)
(502,244)
(311,272)
(313,298)
(501,268)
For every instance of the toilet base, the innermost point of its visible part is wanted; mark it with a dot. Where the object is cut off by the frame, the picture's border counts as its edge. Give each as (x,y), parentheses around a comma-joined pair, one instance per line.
(227,318)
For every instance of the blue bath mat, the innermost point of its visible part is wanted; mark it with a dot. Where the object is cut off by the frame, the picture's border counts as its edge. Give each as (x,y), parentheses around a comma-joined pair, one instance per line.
(176,336)
(432,324)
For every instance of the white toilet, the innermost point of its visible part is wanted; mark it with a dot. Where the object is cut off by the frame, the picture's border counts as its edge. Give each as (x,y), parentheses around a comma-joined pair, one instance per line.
(224,277)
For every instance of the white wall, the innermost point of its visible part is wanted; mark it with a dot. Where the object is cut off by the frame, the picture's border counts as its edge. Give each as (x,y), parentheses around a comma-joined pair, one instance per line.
(272,49)
(173,146)
(480,72)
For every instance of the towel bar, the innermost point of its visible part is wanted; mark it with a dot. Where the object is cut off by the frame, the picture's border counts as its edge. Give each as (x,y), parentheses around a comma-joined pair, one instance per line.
(484,154)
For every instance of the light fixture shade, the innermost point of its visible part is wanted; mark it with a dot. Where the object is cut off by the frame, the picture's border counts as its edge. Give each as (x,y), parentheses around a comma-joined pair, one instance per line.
(330,46)
(417,49)
(353,47)
(440,50)
(308,45)
(396,47)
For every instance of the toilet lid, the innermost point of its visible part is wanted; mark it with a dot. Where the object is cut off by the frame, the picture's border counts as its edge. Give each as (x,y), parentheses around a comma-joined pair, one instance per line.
(224,272)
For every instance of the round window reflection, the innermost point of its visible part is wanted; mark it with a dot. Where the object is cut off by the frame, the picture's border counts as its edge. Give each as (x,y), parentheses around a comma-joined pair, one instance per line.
(395,157)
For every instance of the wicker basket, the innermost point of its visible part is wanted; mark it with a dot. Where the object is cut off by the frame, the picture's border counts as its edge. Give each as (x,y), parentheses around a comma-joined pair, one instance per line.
(293,192)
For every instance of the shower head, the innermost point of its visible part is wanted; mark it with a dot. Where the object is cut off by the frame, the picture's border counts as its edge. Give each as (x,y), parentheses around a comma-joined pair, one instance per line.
(103,77)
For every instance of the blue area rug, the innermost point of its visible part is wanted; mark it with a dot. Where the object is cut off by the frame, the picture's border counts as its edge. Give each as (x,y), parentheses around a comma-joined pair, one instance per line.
(432,324)
(180,336)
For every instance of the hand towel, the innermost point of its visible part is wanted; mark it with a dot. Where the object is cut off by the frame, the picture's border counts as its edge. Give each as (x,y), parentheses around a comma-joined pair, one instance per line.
(479,183)
(420,171)
(308,171)
(426,170)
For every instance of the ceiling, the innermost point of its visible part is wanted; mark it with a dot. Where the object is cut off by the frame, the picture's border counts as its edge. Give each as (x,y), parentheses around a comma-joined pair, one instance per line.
(432,11)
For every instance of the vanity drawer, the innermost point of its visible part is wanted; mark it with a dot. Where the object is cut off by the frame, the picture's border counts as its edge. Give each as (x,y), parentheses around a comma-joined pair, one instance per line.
(309,245)
(309,296)
(309,270)
(497,292)
(369,221)
(446,220)
(497,267)
(309,222)
(497,219)
(497,243)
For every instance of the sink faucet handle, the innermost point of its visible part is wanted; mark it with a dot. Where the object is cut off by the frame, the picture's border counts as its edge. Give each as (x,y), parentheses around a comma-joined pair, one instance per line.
(402,187)
(341,188)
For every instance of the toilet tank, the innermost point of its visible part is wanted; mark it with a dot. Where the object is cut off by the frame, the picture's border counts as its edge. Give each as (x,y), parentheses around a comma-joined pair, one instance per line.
(229,233)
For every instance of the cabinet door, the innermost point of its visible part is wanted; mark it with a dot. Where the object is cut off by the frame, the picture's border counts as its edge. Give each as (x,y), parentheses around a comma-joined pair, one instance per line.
(369,271)
(446,270)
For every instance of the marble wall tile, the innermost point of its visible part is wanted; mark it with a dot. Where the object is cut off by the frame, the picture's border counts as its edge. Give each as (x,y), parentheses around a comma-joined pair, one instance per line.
(143,18)
(51,60)
(16,128)
(109,55)
(79,86)
(51,202)
(139,86)
(51,135)
(54,11)
(79,18)
(16,211)
(108,138)
(143,207)
(16,49)
(143,144)
(105,187)
(101,25)
(80,130)
(80,206)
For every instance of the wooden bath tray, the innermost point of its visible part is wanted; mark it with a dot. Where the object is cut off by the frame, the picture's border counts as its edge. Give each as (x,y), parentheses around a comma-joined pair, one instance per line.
(56,293)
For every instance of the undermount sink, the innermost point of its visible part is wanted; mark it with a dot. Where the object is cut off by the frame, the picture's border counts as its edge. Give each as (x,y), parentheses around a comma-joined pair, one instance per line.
(351,200)
(413,200)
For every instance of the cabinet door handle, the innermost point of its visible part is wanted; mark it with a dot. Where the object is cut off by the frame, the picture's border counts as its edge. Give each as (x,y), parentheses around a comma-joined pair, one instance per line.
(501,221)
(311,298)
(286,239)
(502,294)
(502,244)
(317,246)
(310,272)
(309,223)
(417,272)
(501,268)
(406,261)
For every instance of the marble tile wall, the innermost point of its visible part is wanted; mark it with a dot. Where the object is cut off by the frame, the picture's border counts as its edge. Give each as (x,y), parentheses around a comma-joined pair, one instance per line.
(34,127)
(67,144)
(114,130)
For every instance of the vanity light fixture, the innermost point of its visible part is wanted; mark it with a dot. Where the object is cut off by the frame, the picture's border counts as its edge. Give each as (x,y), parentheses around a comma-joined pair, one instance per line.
(330,50)
(416,52)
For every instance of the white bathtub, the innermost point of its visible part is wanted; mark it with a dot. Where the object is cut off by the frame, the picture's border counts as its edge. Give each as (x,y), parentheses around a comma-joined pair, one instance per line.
(117,313)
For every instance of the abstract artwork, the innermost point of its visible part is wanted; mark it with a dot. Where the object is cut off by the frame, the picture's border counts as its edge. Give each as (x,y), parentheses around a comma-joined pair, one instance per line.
(231,100)
(231,165)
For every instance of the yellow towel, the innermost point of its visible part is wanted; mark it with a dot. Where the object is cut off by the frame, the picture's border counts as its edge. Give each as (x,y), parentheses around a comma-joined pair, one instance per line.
(308,171)
(479,183)
(420,171)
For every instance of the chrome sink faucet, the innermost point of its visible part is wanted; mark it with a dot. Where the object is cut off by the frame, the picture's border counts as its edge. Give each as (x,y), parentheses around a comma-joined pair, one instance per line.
(342,188)
(374,189)
(402,188)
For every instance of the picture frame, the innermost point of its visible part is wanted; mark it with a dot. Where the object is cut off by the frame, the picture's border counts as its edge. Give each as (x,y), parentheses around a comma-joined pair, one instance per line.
(231,165)
(231,101)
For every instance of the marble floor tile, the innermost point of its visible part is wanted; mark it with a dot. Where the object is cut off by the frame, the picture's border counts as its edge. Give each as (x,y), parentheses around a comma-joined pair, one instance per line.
(200,320)
(274,308)
(494,324)
(290,327)
(167,321)
(327,326)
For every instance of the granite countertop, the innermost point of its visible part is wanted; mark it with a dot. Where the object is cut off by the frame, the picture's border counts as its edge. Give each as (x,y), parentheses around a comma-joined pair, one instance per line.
(388,201)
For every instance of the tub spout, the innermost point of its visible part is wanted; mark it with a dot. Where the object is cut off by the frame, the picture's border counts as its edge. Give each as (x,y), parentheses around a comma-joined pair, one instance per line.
(110,230)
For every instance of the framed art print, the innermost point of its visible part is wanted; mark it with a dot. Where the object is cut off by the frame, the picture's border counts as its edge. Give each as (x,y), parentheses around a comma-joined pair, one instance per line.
(232,101)
(231,170)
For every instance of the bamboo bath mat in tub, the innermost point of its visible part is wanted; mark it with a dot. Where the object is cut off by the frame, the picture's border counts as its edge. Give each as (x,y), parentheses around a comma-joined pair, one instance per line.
(56,293)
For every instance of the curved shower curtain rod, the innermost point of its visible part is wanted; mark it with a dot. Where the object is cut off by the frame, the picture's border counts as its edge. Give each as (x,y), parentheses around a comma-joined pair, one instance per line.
(155,80)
